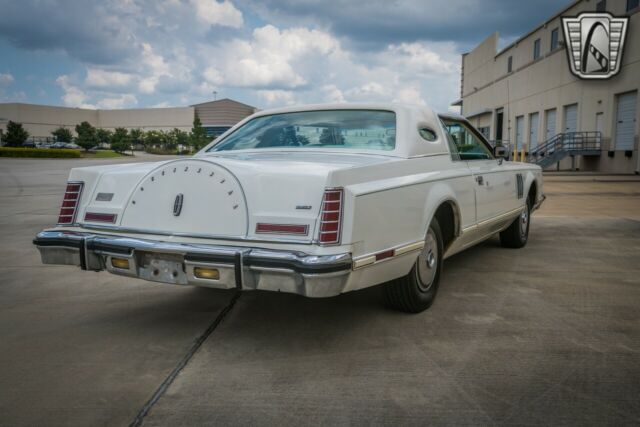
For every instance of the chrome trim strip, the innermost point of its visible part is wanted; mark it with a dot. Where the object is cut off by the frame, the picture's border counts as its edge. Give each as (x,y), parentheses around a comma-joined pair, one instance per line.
(118,229)
(491,220)
(370,259)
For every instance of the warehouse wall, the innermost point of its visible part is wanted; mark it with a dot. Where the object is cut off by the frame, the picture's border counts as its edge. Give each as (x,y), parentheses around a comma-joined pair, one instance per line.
(535,86)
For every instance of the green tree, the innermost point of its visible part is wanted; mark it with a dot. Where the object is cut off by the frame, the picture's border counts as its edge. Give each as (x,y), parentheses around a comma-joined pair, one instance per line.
(137,136)
(154,139)
(198,135)
(62,134)
(120,140)
(179,138)
(104,136)
(86,135)
(15,135)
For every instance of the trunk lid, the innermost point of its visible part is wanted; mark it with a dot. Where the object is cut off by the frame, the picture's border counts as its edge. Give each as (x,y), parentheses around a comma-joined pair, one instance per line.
(221,195)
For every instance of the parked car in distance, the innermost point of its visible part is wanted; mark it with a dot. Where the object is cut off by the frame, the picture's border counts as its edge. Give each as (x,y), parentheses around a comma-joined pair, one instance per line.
(59,144)
(301,200)
(71,145)
(29,144)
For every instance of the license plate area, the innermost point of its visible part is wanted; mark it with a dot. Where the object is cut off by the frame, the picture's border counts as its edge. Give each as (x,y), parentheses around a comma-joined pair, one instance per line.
(165,268)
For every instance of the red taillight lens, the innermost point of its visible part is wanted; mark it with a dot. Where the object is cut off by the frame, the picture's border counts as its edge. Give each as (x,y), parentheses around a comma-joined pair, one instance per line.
(282,228)
(100,217)
(70,203)
(331,216)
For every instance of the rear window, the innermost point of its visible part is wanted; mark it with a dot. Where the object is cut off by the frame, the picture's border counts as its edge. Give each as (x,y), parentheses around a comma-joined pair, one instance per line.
(349,129)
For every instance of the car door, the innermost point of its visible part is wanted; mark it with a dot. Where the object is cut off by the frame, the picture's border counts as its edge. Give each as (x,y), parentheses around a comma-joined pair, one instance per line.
(494,184)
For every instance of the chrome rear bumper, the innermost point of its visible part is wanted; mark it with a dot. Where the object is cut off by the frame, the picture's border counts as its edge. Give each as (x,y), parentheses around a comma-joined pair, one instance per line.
(168,262)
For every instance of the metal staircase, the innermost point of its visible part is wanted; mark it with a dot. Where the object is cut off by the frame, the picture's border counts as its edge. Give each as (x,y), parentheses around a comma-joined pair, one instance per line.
(566,144)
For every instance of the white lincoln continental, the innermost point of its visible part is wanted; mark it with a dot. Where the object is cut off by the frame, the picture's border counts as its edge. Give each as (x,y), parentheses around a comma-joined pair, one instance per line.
(314,200)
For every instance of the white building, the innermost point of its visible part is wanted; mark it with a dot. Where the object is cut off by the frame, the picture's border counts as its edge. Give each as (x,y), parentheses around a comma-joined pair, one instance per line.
(525,94)
(41,120)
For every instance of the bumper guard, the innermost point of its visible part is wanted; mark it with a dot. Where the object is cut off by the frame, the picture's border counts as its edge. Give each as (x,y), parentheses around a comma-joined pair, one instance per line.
(175,263)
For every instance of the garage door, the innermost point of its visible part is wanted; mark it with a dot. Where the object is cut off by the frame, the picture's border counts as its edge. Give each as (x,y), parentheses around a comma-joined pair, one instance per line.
(534,121)
(626,121)
(550,124)
(571,118)
(519,132)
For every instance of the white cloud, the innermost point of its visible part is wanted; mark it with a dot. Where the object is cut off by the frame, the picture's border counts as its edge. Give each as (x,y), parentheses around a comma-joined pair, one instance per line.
(122,101)
(333,94)
(163,104)
(97,78)
(222,13)
(73,95)
(6,79)
(409,95)
(369,91)
(420,59)
(155,66)
(280,97)
(271,58)
(213,76)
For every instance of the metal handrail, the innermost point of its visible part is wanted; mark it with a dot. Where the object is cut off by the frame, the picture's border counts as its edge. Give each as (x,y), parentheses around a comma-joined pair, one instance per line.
(568,142)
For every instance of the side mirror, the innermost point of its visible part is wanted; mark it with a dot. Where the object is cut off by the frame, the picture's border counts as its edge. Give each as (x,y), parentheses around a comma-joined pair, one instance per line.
(500,152)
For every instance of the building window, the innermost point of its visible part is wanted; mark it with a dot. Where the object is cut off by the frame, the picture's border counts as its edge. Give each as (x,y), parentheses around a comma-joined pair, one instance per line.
(536,49)
(601,6)
(215,131)
(554,39)
(509,64)
(485,131)
(632,4)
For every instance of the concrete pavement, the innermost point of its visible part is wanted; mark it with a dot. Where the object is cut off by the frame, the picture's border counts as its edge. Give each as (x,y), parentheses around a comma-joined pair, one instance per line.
(549,334)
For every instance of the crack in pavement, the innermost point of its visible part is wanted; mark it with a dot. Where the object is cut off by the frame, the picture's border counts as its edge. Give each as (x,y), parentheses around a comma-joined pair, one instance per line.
(160,391)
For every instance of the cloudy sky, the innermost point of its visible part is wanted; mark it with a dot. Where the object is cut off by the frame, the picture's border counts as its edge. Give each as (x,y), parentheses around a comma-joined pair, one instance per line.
(144,53)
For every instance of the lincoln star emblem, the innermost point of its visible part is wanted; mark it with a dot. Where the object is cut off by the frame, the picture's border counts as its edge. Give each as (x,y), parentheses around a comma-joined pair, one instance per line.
(595,42)
(177,204)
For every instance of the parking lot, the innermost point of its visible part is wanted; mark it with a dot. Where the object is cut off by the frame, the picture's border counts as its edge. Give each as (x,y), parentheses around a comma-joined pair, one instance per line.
(549,334)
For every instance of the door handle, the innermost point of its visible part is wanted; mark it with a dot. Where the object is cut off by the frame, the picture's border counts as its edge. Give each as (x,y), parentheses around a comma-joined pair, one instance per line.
(479,180)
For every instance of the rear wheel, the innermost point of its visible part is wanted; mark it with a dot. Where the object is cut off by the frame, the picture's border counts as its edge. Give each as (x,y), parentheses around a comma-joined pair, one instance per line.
(416,291)
(517,234)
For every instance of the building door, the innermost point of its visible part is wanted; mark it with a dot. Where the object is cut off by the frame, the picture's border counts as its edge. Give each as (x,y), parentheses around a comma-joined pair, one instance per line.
(571,118)
(626,121)
(519,133)
(599,122)
(534,121)
(550,124)
(499,122)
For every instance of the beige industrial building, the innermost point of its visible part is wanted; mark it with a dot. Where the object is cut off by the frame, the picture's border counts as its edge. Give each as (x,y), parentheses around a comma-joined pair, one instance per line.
(41,120)
(526,96)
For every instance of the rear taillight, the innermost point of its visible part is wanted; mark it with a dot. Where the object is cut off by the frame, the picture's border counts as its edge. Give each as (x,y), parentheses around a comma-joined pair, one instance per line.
(331,216)
(70,203)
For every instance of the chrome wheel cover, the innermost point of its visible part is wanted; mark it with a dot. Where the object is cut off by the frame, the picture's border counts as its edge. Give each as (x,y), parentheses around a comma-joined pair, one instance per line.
(428,262)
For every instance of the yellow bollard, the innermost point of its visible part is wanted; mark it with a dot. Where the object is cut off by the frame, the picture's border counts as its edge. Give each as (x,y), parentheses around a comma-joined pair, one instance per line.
(522,156)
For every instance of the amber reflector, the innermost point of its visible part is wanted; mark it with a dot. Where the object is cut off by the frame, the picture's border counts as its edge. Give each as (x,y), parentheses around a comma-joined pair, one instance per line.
(121,263)
(206,273)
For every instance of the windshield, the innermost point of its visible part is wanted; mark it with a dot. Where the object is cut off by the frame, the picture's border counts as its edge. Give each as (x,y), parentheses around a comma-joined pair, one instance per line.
(350,129)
